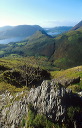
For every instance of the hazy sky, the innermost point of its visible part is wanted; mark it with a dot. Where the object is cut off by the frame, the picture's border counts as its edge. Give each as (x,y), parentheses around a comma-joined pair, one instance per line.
(46,13)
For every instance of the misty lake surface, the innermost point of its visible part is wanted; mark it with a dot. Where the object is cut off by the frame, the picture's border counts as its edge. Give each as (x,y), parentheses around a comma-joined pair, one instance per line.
(15,39)
(53,33)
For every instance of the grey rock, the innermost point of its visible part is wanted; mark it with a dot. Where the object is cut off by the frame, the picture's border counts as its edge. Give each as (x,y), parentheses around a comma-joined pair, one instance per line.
(66,82)
(48,99)
(11,113)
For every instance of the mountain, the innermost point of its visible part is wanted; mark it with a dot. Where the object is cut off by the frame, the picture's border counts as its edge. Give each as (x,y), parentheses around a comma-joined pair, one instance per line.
(20,31)
(79,25)
(5,28)
(39,44)
(57,30)
(68,49)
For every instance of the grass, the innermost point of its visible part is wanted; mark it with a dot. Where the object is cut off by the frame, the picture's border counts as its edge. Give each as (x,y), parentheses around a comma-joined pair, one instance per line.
(12,89)
(68,73)
(12,63)
(1,52)
(21,44)
(16,61)
(68,50)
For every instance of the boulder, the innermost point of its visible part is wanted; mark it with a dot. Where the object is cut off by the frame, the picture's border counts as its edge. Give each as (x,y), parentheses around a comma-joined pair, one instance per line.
(67,81)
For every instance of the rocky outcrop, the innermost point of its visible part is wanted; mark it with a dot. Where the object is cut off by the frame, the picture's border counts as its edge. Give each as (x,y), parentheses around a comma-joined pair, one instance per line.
(12,109)
(66,82)
(48,99)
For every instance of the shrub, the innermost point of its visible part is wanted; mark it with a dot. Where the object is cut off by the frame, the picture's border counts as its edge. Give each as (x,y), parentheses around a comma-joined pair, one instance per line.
(13,77)
(35,120)
(23,122)
(72,113)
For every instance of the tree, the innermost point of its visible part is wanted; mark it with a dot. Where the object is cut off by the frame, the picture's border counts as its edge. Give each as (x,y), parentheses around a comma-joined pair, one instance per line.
(33,75)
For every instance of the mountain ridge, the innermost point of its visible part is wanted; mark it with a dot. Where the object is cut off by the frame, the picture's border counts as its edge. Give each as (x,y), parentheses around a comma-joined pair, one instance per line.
(77,26)
(20,30)
(4,28)
(57,30)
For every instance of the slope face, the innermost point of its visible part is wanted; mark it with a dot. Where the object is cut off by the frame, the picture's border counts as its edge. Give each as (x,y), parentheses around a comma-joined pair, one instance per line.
(77,26)
(68,49)
(40,44)
(21,30)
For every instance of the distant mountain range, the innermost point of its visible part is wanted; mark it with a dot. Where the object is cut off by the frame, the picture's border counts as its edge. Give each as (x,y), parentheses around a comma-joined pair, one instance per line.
(57,30)
(25,31)
(5,28)
(19,31)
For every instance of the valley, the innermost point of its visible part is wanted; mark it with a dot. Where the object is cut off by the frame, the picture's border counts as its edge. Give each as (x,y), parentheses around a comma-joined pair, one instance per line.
(41,78)
(10,34)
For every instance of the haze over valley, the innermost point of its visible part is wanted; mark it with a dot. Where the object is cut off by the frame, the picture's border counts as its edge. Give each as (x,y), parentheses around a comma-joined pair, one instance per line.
(18,33)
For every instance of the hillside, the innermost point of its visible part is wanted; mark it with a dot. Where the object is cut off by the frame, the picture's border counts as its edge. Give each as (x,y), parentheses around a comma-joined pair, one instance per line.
(45,103)
(70,78)
(20,31)
(39,44)
(68,49)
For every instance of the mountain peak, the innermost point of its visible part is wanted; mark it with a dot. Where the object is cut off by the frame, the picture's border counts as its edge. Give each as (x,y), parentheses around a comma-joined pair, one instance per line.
(77,26)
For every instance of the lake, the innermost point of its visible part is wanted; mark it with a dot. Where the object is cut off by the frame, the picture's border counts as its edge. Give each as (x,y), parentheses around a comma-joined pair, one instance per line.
(14,39)
(53,33)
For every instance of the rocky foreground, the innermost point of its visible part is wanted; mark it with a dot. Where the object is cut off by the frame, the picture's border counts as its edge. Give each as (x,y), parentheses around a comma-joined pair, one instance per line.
(50,99)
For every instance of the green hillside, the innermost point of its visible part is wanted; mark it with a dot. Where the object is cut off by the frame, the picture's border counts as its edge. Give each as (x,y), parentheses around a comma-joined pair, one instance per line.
(14,71)
(68,76)
(68,49)
(39,44)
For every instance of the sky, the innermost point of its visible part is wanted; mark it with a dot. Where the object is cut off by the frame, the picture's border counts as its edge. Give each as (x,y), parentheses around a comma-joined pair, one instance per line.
(46,13)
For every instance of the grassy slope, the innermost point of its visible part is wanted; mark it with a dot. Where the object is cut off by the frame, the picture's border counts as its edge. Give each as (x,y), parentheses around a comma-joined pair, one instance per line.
(68,49)
(69,74)
(39,44)
(12,63)
(42,62)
